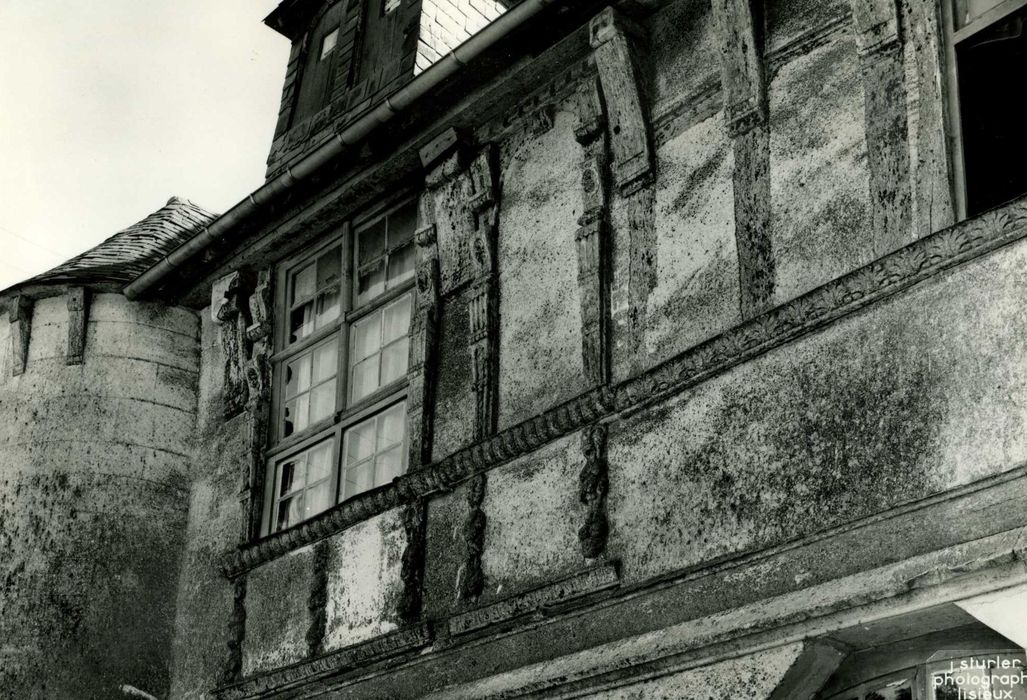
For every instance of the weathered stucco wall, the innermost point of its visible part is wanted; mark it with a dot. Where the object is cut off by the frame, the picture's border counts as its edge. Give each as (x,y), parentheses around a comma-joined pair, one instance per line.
(364,581)
(754,676)
(696,293)
(819,182)
(93,498)
(531,541)
(885,407)
(205,598)
(540,361)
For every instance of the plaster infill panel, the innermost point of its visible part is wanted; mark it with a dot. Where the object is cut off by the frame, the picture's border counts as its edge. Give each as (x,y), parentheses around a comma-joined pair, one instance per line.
(532,515)
(540,361)
(914,395)
(277,618)
(696,294)
(364,583)
(820,220)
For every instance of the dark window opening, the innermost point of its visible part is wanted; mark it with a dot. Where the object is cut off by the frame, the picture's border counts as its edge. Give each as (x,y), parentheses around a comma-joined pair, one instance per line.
(991,64)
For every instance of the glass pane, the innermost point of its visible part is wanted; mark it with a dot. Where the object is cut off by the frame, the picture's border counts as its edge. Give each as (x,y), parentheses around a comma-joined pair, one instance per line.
(366,336)
(328,307)
(370,281)
(297,376)
(397,319)
(326,362)
(303,285)
(328,43)
(391,426)
(289,512)
(359,479)
(402,223)
(329,267)
(301,322)
(388,465)
(371,243)
(292,476)
(394,360)
(318,498)
(401,264)
(364,379)
(360,442)
(322,401)
(319,462)
(297,414)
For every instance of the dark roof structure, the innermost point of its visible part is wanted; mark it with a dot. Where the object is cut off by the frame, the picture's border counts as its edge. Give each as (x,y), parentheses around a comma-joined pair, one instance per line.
(128,253)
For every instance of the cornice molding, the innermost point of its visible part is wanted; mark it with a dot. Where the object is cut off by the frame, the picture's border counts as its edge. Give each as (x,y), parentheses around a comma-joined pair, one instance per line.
(816,309)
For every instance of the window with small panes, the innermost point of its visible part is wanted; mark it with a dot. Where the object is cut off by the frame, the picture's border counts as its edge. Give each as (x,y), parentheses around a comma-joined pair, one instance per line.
(342,348)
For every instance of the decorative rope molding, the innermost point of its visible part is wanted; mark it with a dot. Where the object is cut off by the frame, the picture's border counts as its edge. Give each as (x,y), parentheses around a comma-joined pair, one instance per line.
(889,275)
(347,658)
(577,586)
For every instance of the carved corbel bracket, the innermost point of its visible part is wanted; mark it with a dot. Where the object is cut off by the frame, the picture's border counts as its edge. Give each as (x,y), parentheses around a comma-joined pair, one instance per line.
(20,317)
(230,311)
(78,316)
(613,38)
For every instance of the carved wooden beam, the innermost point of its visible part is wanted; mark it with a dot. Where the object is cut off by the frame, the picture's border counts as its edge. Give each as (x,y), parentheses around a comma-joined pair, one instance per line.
(745,112)
(228,309)
(421,372)
(20,317)
(415,525)
(78,317)
(591,239)
(884,91)
(593,484)
(232,670)
(613,38)
(317,600)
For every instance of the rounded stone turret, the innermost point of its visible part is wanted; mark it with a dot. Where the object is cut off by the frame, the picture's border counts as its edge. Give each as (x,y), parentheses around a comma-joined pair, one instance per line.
(97,413)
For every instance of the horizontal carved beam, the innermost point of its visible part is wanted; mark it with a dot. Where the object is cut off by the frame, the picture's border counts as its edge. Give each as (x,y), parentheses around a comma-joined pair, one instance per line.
(889,275)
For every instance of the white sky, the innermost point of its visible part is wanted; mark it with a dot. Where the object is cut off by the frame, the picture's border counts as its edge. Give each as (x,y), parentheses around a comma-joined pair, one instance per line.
(110,107)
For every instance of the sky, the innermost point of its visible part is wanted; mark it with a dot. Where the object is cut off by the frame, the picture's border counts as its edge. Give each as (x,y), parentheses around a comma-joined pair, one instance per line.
(108,108)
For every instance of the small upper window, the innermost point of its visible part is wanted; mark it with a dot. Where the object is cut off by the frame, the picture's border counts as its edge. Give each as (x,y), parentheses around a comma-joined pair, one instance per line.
(390,6)
(988,59)
(329,42)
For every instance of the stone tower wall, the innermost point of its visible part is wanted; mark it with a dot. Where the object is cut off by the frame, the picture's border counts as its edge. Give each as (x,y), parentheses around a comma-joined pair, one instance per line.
(92,492)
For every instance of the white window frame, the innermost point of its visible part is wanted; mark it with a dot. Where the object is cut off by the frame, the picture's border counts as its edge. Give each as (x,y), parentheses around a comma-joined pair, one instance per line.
(347,414)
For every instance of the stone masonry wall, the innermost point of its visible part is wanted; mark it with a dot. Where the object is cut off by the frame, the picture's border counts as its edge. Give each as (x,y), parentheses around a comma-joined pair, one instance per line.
(93,482)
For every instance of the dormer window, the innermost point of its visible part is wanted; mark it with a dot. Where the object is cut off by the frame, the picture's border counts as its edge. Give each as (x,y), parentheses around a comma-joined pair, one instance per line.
(329,42)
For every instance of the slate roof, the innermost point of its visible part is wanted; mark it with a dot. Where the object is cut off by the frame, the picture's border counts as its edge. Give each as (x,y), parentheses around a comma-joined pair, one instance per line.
(128,253)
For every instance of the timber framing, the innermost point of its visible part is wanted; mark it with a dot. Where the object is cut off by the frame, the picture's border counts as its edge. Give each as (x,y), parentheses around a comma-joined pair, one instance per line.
(983,552)
(812,311)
